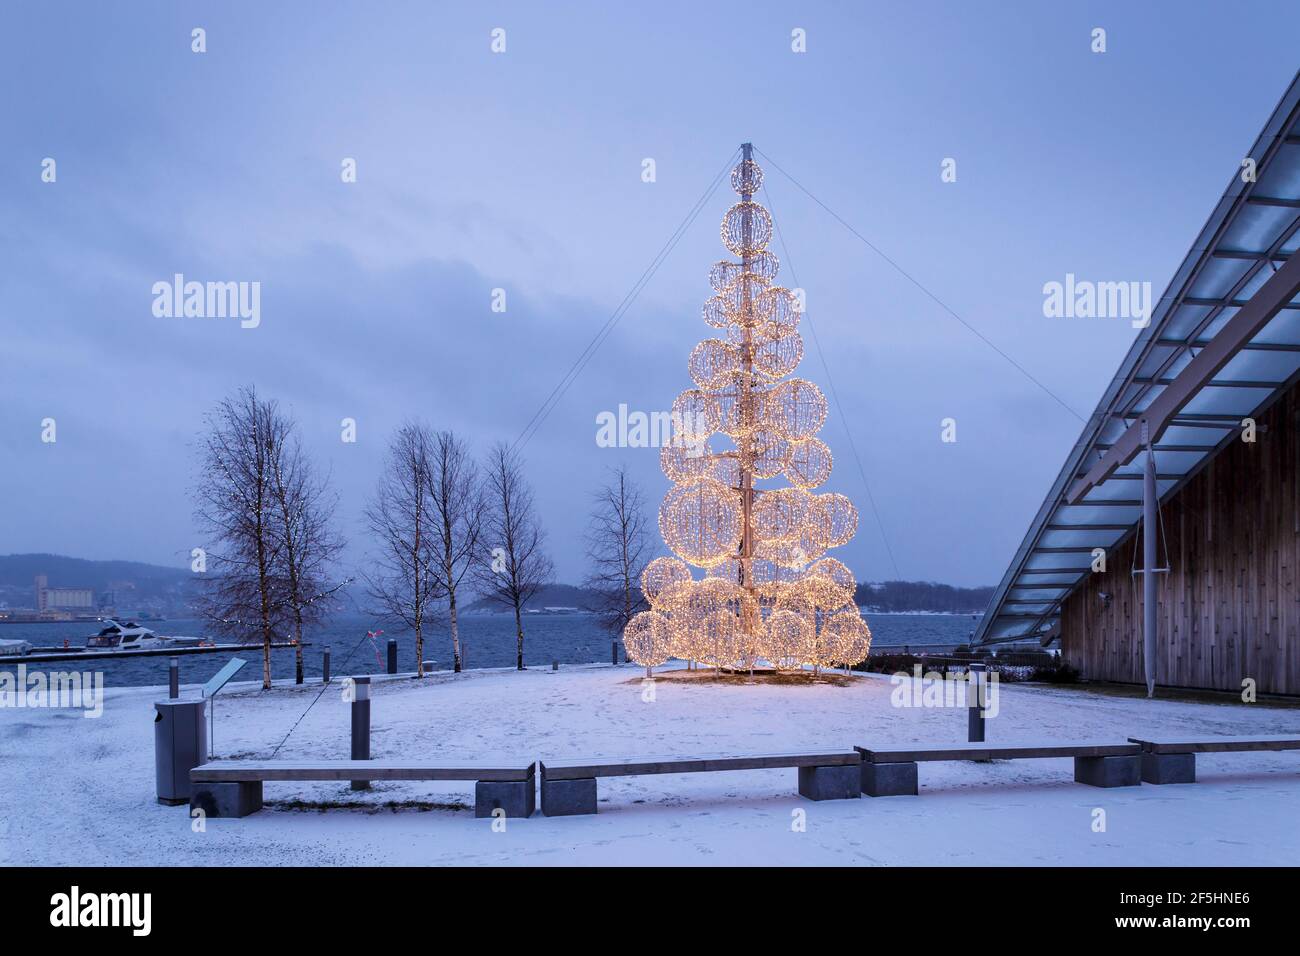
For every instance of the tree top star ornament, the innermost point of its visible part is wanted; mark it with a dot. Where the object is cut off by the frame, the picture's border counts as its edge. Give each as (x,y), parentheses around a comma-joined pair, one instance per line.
(767,590)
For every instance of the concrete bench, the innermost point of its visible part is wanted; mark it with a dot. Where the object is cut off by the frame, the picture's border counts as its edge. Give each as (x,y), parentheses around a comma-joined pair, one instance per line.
(1173,759)
(569,787)
(233,788)
(889,772)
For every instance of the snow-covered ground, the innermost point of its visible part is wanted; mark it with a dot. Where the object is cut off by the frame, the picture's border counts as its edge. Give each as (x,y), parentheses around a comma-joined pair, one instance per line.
(81,791)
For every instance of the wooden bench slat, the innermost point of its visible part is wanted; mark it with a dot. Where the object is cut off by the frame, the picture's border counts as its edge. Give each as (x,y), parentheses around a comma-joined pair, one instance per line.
(987,751)
(1193,745)
(231,771)
(639,766)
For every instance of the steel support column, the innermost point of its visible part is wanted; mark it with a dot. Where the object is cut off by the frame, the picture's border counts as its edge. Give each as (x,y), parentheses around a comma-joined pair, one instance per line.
(1150,519)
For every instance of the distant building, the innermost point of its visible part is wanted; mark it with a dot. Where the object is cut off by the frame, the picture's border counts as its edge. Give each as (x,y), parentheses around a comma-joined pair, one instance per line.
(119,594)
(62,599)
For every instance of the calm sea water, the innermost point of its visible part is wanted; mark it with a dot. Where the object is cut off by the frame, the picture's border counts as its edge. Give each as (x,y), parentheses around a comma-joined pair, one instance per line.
(488,640)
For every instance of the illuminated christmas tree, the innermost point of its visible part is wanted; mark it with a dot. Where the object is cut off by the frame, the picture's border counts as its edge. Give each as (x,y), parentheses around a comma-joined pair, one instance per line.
(767,591)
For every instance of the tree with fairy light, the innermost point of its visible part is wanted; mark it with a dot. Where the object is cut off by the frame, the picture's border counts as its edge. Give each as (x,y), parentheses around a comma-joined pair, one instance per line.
(745,462)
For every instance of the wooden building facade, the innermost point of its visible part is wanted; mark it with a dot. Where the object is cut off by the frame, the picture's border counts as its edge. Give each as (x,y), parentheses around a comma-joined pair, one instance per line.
(1229,610)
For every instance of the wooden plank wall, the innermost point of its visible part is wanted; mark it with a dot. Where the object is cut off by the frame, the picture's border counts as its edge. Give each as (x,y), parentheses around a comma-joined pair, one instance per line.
(1229,608)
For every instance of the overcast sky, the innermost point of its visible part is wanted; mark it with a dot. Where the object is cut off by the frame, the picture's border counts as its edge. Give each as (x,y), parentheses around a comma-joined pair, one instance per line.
(522,170)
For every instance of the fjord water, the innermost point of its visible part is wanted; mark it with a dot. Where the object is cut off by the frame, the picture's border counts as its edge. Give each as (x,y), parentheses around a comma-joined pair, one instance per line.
(488,640)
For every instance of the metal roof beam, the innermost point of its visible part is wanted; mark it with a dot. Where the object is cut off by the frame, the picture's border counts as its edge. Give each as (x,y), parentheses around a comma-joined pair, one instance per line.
(1250,256)
(1273,201)
(1235,303)
(1248,347)
(1088,527)
(1159,446)
(1281,287)
(1217,383)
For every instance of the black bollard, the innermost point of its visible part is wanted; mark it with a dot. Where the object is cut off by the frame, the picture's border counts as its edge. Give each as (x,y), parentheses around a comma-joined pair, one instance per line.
(976,691)
(555,665)
(613,652)
(297,663)
(325,667)
(361,725)
(174,678)
(392,656)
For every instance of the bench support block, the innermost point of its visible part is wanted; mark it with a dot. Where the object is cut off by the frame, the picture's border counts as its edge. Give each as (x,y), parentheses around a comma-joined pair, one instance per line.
(226,799)
(566,798)
(1168,768)
(888,779)
(1116,771)
(518,798)
(830,783)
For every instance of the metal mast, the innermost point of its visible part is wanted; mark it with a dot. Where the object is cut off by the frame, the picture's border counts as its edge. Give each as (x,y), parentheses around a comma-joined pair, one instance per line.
(746,400)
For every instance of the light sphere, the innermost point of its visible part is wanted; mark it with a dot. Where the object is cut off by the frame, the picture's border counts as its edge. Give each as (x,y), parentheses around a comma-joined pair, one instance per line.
(701,521)
(746,229)
(647,638)
(745,302)
(715,311)
(747,177)
(809,463)
(695,415)
(723,273)
(685,463)
(778,514)
(660,575)
(849,637)
(797,409)
(839,517)
(836,580)
(786,636)
(725,467)
(781,307)
(770,453)
(777,351)
(765,264)
(712,362)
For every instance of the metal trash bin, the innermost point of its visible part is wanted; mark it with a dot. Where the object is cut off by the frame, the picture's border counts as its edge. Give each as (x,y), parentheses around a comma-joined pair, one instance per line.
(180,739)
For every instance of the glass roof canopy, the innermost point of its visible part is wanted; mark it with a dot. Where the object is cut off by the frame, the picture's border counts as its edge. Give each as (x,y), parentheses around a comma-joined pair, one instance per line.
(1251,233)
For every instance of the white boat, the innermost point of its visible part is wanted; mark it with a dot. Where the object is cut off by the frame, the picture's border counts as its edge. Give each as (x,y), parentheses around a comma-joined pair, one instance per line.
(14,648)
(133,637)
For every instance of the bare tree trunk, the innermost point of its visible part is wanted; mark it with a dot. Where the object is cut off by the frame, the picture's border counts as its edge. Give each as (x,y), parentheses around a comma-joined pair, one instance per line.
(263,587)
(519,640)
(455,633)
(419,652)
(417,558)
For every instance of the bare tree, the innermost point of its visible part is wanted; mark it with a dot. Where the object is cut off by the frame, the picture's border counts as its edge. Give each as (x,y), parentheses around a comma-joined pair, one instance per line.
(618,548)
(456,494)
(235,505)
(307,545)
(402,521)
(513,566)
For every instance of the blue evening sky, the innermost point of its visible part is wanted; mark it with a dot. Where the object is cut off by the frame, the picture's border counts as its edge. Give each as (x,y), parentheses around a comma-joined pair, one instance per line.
(522,171)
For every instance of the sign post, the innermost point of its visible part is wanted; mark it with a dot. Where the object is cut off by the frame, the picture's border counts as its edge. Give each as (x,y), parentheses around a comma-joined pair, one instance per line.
(212,687)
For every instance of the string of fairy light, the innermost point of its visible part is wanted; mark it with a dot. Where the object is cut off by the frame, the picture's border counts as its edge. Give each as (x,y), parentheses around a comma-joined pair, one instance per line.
(767,592)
